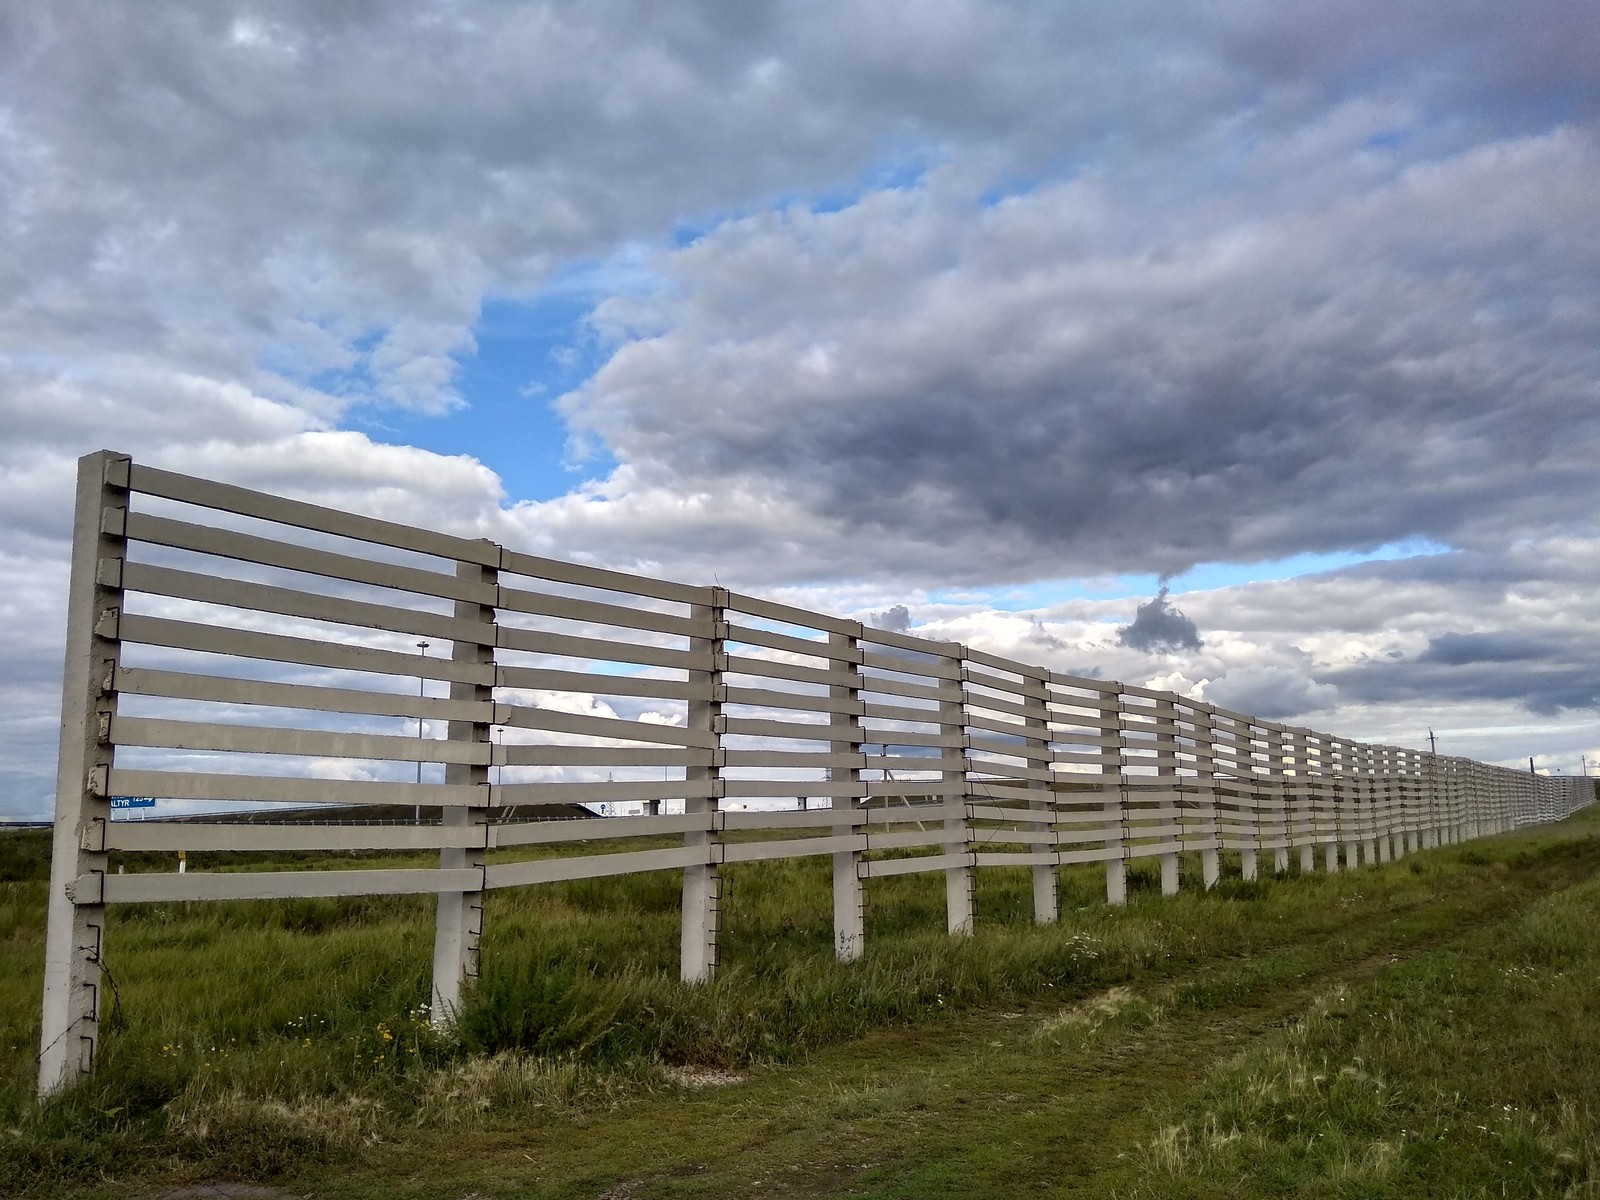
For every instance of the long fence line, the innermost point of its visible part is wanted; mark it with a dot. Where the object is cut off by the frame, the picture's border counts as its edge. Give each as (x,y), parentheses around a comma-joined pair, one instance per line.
(225,645)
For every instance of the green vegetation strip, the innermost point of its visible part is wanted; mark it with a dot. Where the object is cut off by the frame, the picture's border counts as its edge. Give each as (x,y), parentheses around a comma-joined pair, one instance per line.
(1424,1028)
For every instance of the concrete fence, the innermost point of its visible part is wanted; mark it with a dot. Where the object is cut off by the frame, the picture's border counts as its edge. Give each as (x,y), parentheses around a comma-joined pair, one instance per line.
(230,646)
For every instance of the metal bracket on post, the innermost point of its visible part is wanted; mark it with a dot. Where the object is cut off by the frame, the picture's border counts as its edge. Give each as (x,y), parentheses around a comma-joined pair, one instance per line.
(69,1021)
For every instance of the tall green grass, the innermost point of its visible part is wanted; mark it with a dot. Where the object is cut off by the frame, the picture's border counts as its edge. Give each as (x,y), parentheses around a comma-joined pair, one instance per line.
(1469,1071)
(241,1038)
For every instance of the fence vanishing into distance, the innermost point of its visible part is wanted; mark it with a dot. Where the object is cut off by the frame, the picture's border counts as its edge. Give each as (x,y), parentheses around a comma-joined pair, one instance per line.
(227,645)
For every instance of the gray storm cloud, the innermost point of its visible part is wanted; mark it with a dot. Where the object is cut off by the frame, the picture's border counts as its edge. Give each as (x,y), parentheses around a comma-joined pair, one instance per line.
(1247,386)
(1499,646)
(895,619)
(1273,692)
(1159,627)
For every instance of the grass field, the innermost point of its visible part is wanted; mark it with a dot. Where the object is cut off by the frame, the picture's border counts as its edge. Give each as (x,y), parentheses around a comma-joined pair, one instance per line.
(1429,1027)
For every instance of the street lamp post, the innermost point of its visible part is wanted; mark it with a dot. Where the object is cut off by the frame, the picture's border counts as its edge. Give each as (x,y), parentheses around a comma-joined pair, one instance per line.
(422,691)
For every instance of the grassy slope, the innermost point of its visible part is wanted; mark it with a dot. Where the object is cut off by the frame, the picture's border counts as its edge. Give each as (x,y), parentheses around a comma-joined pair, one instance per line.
(1424,1028)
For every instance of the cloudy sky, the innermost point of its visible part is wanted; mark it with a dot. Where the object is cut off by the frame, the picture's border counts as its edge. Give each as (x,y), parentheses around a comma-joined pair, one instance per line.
(988,318)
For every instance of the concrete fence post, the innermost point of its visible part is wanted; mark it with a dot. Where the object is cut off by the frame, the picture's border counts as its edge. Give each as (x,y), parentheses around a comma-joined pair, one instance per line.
(1327,802)
(1410,824)
(1206,759)
(1391,784)
(1166,747)
(75,911)
(1394,831)
(1278,825)
(1429,800)
(702,881)
(1334,772)
(1205,788)
(1357,804)
(849,917)
(1249,780)
(958,897)
(1045,902)
(1116,799)
(1297,744)
(458,923)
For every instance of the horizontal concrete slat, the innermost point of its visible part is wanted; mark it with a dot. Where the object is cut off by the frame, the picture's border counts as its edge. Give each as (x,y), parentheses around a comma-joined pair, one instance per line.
(902,839)
(911,642)
(986,703)
(947,691)
(599,683)
(792,848)
(790,644)
(301,514)
(529,833)
(1000,663)
(987,766)
(803,702)
(1031,688)
(554,721)
(821,759)
(871,735)
(515,755)
(245,547)
(564,645)
(882,867)
(991,812)
(1036,858)
(781,788)
(310,743)
(945,761)
(743,664)
(186,785)
(183,685)
(513,562)
(790,615)
(556,792)
(793,818)
(291,602)
(281,885)
(936,668)
(239,835)
(916,787)
(600,612)
(593,866)
(810,731)
(298,651)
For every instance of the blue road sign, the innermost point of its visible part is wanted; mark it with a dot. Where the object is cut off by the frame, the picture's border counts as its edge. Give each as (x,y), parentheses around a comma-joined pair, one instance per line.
(118,803)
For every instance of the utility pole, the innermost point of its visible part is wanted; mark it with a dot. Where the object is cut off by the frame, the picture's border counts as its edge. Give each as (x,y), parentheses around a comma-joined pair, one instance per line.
(422,690)
(1433,745)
